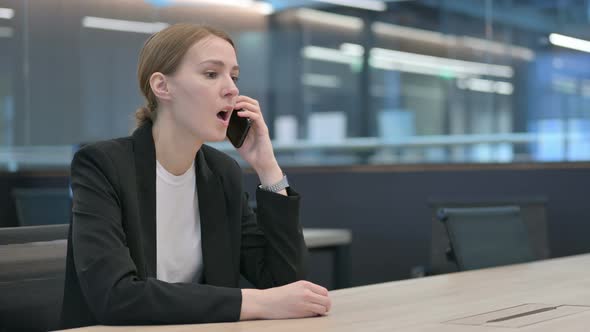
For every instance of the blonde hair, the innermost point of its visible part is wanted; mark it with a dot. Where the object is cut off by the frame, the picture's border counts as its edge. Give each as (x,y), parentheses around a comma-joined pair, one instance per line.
(163,52)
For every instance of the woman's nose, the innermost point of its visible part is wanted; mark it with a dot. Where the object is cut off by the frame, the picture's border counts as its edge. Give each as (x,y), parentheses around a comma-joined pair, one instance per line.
(231,91)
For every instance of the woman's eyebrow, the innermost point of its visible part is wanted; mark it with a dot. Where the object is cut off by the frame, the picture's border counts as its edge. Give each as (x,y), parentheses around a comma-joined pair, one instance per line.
(219,63)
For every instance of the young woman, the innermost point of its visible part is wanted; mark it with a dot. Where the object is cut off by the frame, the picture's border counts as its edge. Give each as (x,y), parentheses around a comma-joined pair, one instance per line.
(161,228)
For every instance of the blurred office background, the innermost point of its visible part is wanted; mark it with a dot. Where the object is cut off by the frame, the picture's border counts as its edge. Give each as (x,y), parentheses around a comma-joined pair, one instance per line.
(380,115)
(424,81)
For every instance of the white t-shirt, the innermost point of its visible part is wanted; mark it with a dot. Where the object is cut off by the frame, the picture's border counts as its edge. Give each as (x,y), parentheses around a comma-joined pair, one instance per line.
(178,226)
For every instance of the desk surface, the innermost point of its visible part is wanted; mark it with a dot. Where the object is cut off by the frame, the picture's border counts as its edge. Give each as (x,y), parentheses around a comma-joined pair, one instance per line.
(426,304)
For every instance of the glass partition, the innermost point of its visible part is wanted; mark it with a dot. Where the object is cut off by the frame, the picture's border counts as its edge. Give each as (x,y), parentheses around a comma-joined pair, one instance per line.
(419,81)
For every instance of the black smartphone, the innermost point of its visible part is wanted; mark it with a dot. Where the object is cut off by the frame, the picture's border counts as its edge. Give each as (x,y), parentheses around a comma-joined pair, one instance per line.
(238,129)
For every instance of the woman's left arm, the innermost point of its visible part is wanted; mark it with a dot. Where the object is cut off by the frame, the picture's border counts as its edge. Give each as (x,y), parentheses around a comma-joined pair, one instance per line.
(257,148)
(273,249)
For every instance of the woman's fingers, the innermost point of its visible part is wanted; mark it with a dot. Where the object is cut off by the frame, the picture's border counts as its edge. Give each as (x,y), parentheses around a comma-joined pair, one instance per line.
(248,107)
(257,120)
(316,309)
(248,114)
(315,288)
(249,104)
(322,300)
(247,99)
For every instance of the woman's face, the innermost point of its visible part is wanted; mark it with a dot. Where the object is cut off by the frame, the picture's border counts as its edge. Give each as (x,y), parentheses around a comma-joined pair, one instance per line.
(203,89)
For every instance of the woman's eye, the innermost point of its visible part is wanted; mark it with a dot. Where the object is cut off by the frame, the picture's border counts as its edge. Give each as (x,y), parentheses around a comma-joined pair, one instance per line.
(211,74)
(235,79)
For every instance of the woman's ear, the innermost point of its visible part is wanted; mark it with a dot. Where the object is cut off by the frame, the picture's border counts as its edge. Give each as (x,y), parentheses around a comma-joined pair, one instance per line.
(159,86)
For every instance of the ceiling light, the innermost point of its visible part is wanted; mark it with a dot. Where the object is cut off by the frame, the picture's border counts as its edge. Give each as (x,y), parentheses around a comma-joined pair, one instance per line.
(264,8)
(451,41)
(6,13)
(362,4)
(122,25)
(405,61)
(336,20)
(569,42)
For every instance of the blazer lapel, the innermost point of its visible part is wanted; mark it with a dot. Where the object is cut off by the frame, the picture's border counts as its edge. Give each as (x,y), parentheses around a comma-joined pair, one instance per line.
(215,234)
(145,170)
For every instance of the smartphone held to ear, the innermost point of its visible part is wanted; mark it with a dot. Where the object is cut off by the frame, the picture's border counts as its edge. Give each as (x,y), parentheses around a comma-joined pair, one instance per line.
(238,129)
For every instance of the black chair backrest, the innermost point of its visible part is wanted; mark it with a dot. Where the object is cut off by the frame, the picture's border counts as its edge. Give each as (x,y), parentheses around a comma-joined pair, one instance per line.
(42,206)
(26,234)
(483,237)
(32,270)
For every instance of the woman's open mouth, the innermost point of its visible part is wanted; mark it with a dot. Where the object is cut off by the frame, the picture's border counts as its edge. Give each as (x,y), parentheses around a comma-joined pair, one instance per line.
(223,115)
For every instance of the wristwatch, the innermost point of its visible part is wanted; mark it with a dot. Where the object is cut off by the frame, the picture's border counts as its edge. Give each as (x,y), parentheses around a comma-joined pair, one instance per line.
(276,187)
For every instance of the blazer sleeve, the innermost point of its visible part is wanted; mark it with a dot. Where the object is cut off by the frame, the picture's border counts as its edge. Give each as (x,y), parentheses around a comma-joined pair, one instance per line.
(273,250)
(106,271)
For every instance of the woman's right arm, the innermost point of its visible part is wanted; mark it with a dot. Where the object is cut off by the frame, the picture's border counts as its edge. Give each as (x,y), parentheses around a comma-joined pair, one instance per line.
(108,275)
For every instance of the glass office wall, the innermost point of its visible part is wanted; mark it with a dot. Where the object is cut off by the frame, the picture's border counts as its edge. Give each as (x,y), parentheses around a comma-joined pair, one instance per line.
(424,81)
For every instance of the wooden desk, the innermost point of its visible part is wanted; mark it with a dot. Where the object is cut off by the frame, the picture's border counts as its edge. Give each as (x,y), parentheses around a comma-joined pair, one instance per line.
(338,242)
(426,304)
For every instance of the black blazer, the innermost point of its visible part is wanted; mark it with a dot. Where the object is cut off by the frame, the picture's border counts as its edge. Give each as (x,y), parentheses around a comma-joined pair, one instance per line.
(111,257)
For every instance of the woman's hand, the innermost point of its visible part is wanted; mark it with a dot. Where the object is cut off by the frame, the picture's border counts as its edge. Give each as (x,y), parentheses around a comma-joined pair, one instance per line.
(295,300)
(257,148)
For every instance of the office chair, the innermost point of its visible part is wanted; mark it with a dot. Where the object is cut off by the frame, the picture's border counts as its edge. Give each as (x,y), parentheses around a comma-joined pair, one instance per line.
(483,237)
(27,234)
(42,206)
(31,285)
(32,271)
